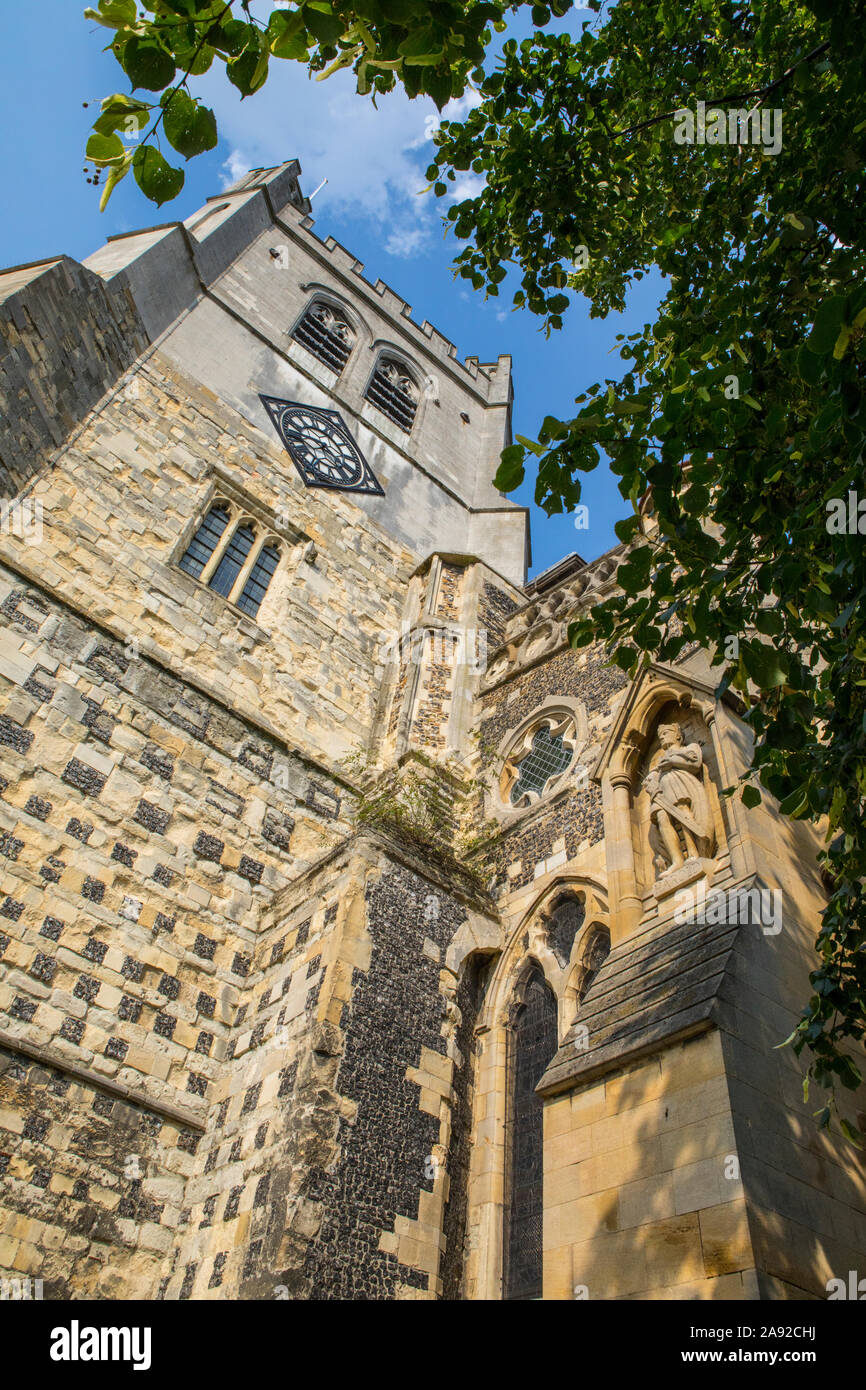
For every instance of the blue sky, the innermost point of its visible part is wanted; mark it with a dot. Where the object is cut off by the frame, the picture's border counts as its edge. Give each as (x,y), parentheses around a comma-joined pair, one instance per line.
(52,62)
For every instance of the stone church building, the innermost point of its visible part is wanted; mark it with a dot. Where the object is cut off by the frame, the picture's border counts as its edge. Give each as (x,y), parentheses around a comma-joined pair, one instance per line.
(358,938)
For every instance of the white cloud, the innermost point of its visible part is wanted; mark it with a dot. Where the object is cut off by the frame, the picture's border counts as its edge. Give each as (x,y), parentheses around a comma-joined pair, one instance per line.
(235,167)
(406,241)
(374,158)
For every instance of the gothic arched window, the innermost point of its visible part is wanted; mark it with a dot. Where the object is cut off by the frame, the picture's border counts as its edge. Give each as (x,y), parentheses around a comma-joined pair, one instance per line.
(532,1043)
(205,541)
(563,924)
(594,957)
(232,555)
(261,575)
(394,391)
(326,333)
(232,560)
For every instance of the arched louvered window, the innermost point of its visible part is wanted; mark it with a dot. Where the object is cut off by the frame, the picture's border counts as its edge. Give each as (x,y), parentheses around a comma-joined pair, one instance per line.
(325,333)
(260,577)
(394,392)
(205,541)
(241,543)
(532,1043)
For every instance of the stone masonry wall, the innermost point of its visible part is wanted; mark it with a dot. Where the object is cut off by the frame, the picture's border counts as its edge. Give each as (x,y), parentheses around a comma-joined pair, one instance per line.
(556,831)
(143,827)
(119,513)
(64,340)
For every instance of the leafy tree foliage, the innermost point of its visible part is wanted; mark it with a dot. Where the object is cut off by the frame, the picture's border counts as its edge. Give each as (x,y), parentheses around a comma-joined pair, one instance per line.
(740,411)
(161,44)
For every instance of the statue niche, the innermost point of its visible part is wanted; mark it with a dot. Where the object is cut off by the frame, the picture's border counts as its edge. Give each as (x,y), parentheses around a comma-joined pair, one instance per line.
(680,811)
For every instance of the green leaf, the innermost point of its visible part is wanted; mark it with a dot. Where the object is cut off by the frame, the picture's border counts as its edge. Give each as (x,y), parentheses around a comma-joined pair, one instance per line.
(625,529)
(232,36)
(249,72)
(122,113)
(147,64)
(825,329)
(852,1134)
(633,574)
(510,472)
(287,34)
(322,23)
(190,128)
(104,149)
(157,179)
(115,174)
(437,85)
(580,633)
(767,667)
(750,796)
(113,14)
(421,47)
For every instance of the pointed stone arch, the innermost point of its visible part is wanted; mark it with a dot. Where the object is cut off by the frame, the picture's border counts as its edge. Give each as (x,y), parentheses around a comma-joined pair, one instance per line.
(527,960)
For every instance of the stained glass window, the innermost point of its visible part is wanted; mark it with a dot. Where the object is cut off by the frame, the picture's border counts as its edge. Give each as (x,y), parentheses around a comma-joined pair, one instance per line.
(204,542)
(260,577)
(231,564)
(547,757)
(532,1044)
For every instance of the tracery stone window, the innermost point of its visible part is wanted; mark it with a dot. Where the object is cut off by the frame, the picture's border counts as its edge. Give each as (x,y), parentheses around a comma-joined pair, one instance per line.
(394,391)
(233,555)
(541,758)
(532,1044)
(326,333)
(563,925)
(595,954)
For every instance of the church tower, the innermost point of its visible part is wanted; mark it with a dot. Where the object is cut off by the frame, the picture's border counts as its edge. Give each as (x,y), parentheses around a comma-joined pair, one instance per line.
(358,939)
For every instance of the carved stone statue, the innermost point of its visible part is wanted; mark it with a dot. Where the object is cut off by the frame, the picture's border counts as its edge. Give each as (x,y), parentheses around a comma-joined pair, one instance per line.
(679,806)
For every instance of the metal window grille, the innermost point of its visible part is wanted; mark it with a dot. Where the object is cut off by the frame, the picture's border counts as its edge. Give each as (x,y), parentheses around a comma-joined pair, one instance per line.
(326,336)
(391,390)
(547,757)
(260,577)
(205,541)
(231,564)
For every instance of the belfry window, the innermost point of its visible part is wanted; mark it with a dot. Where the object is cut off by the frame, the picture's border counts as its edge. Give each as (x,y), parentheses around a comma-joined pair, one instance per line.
(234,556)
(394,392)
(325,333)
(531,1045)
